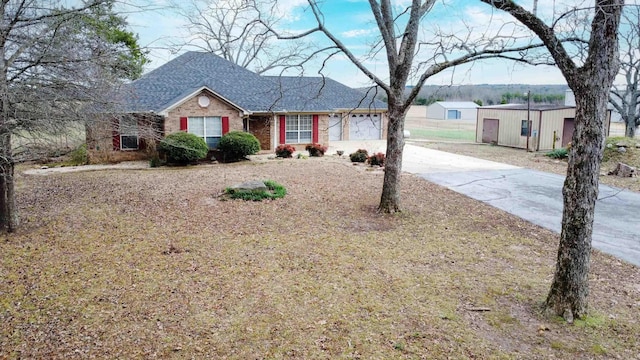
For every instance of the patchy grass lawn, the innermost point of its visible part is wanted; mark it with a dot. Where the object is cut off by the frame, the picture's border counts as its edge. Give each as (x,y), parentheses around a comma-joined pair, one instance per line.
(152,264)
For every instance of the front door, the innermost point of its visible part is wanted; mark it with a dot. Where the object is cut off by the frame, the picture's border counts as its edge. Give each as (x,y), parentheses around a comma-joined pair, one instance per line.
(490,130)
(567,131)
(260,128)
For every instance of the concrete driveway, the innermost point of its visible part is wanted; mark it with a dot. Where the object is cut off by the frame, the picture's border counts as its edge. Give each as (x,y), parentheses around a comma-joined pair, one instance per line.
(531,195)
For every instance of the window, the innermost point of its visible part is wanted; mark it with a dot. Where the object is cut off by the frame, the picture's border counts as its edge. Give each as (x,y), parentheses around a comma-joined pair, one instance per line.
(453,114)
(128,133)
(525,128)
(298,129)
(207,127)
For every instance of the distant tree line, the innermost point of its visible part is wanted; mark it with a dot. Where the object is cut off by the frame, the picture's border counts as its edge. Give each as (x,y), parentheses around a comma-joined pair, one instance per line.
(508,98)
(491,94)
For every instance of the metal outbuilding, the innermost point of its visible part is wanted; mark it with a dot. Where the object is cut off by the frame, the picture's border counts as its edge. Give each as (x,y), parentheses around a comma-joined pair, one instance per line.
(545,127)
(452,110)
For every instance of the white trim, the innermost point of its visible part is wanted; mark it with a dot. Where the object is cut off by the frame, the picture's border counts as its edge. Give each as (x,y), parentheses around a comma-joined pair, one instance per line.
(299,131)
(204,101)
(165,112)
(206,133)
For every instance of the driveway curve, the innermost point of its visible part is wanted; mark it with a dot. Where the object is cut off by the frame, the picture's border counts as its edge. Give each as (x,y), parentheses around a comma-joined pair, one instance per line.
(532,195)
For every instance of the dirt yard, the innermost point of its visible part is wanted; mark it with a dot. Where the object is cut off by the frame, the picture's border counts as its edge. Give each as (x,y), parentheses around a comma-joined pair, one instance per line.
(153,264)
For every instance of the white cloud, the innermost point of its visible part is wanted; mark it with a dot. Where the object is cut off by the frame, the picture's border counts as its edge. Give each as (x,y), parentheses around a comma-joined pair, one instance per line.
(357,33)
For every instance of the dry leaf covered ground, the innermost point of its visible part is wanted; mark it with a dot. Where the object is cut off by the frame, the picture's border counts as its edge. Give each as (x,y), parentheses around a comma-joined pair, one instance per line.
(152,264)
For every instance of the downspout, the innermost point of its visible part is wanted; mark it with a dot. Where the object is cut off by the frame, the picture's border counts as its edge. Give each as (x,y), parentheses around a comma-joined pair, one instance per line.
(539,129)
(528,117)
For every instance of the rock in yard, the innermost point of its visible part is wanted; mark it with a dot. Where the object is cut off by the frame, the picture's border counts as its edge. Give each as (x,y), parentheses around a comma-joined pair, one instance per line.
(623,170)
(622,150)
(621,144)
(253,185)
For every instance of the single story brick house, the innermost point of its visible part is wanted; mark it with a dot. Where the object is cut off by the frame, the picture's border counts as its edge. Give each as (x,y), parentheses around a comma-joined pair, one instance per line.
(206,95)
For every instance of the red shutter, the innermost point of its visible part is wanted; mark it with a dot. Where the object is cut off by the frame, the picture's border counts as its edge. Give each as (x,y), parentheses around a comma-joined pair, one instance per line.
(116,140)
(225,125)
(314,131)
(283,129)
(143,125)
(183,124)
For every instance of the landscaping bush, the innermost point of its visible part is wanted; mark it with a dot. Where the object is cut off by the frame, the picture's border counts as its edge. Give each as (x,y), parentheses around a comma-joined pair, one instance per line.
(285,151)
(361,155)
(561,153)
(316,149)
(183,148)
(275,191)
(376,159)
(236,145)
(79,155)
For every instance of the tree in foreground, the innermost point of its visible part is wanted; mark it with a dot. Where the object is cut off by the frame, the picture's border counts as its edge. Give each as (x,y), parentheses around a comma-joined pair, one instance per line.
(399,29)
(58,61)
(625,97)
(590,82)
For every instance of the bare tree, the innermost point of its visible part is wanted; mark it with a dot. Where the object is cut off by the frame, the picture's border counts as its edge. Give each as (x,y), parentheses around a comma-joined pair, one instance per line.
(411,58)
(590,82)
(57,62)
(625,97)
(228,28)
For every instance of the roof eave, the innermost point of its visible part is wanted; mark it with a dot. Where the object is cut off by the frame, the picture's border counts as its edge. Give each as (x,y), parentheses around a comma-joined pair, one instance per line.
(181,101)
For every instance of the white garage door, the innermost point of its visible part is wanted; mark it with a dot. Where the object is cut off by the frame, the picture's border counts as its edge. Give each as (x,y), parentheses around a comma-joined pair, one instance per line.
(365,127)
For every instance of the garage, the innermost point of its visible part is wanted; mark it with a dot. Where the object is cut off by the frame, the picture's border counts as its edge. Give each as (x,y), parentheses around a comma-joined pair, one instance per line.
(365,127)
(335,127)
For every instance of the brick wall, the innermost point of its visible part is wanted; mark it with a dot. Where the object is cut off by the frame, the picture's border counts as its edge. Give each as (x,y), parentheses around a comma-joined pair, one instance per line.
(191,108)
(261,128)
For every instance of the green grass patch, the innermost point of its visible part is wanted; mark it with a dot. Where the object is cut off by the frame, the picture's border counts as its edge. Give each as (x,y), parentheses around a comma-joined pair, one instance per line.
(591,321)
(561,153)
(274,191)
(444,134)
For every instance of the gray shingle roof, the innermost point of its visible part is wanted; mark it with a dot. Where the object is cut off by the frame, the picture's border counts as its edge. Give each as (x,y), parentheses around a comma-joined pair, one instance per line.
(163,87)
(320,94)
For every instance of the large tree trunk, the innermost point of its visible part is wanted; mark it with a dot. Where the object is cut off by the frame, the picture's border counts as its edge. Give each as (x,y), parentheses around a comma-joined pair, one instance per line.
(8,212)
(390,199)
(570,288)
(591,85)
(630,130)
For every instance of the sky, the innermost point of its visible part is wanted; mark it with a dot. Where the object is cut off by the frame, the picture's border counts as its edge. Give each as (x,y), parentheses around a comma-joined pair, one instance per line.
(353,23)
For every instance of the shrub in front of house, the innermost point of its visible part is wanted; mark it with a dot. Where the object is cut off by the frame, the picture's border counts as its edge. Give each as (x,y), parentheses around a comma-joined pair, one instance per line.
(376,159)
(79,155)
(285,151)
(361,155)
(561,153)
(183,148)
(316,149)
(237,145)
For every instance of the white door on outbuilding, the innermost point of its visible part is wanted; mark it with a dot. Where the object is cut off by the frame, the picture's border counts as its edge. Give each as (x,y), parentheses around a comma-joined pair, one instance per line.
(335,127)
(365,127)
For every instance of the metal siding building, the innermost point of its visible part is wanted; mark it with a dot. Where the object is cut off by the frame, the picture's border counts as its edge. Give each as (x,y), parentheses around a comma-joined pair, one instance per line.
(452,110)
(551,126)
